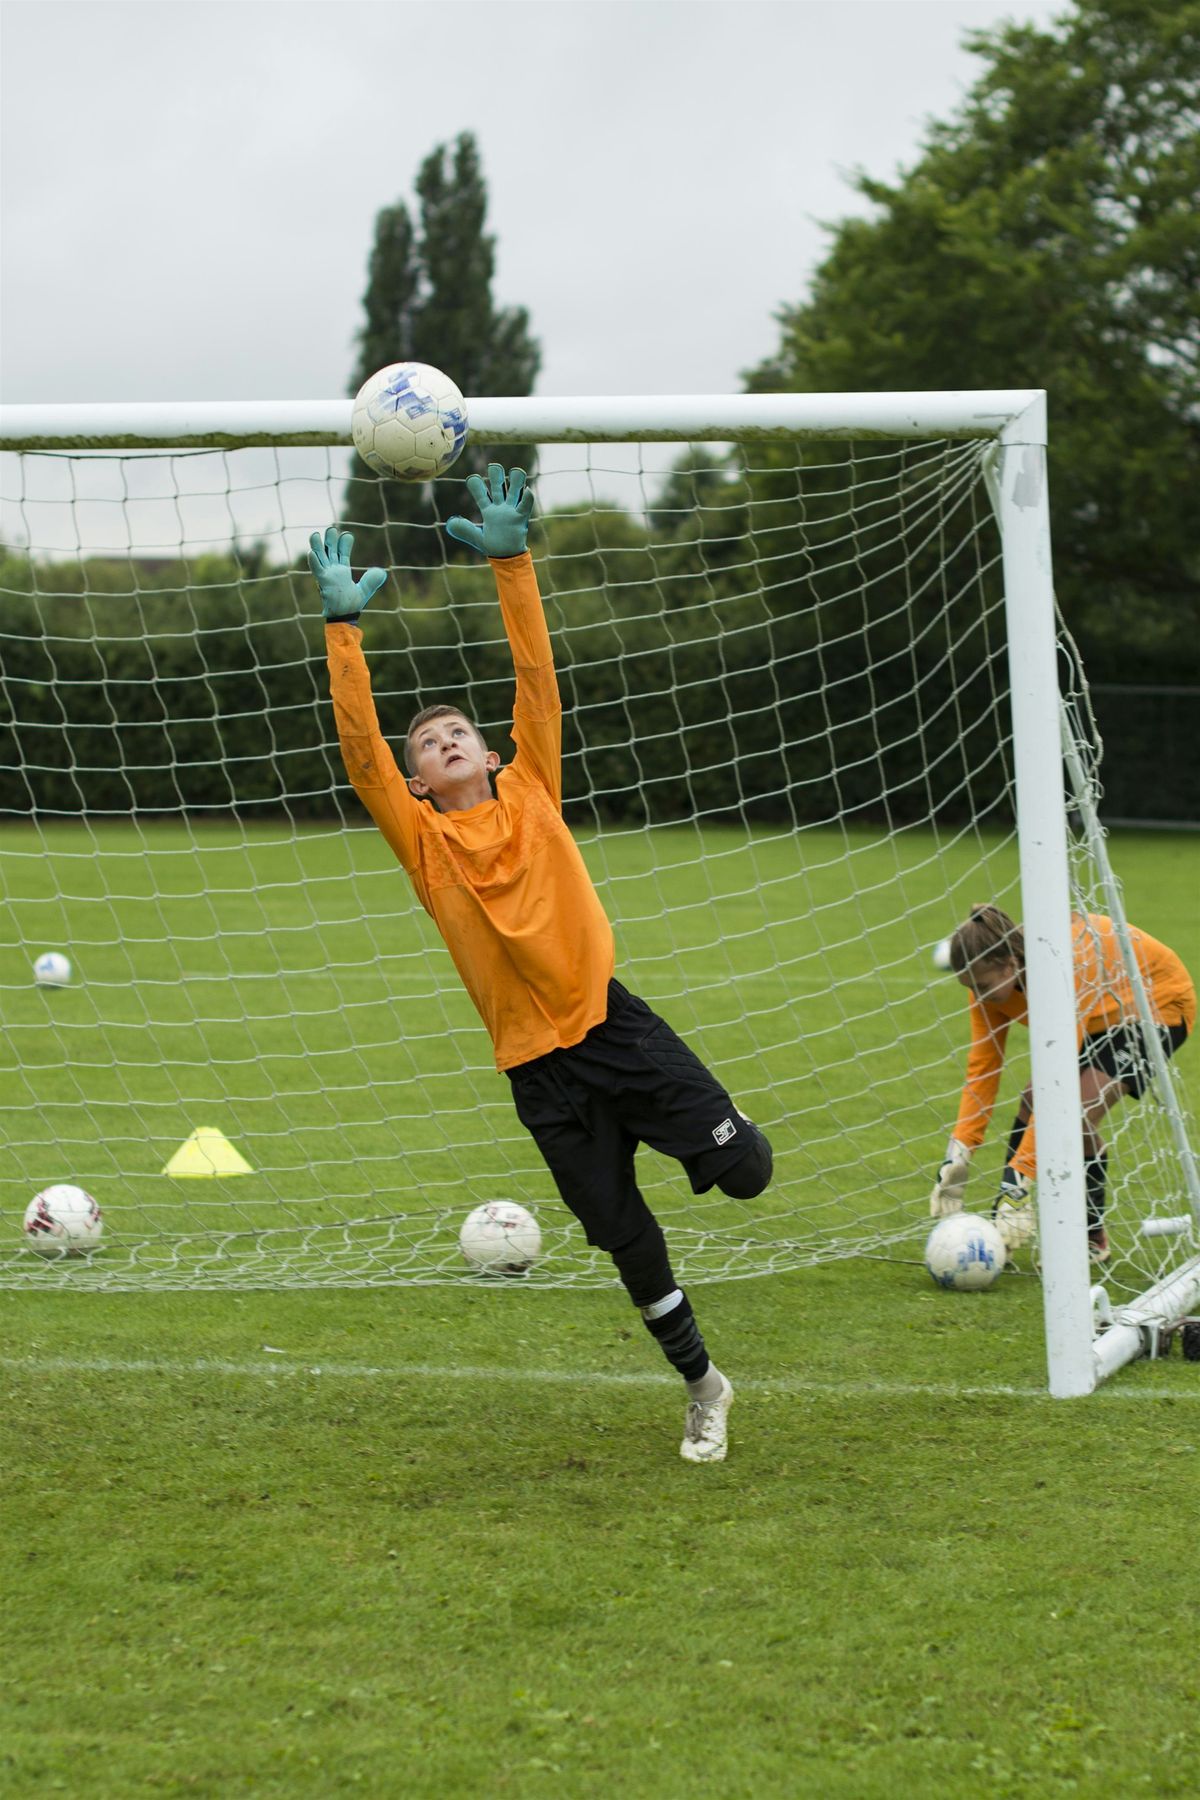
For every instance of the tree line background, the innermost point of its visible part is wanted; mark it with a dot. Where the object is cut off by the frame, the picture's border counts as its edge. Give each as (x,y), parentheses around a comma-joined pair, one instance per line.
(1047,236)
(713,662)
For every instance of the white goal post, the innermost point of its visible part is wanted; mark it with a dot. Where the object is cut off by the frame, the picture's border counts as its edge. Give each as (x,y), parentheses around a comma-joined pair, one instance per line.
(735,601)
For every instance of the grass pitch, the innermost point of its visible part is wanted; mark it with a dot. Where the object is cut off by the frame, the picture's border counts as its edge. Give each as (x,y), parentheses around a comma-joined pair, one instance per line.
(439,1541)
(444,1544)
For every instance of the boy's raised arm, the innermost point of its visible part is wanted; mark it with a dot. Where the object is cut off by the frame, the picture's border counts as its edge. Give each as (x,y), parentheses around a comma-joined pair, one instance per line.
(369,762)
(505,506)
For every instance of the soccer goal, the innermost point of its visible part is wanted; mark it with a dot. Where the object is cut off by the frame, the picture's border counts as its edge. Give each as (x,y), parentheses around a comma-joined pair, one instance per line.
(817,705)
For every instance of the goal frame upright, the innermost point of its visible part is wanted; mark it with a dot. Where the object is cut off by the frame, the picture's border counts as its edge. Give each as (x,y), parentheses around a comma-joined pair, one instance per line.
(1018,481)
(1014,421)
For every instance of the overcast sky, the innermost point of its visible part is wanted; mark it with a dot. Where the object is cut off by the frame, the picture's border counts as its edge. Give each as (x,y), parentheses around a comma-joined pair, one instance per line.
(189,189)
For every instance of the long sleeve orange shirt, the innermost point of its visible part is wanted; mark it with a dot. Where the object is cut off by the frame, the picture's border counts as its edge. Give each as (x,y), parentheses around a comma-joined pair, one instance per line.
(503,881)
(1103,998)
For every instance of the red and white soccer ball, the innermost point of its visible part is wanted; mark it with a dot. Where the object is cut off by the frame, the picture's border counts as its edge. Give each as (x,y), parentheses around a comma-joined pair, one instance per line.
(63,1221)
(409,421)
(500,1238)
(965,1252)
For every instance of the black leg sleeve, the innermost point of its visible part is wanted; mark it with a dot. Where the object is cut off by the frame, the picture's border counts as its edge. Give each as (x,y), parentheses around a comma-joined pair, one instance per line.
(643,1264)
(679,1340)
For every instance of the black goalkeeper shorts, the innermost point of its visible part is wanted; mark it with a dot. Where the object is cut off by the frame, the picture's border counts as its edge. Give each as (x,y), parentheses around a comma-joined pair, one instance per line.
(630,1081)
(1121,1053)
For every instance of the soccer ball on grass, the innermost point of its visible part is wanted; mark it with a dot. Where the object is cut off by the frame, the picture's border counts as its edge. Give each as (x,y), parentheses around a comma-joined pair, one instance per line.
(965,1252)
(500,1238)
(62,1221)
(409,421)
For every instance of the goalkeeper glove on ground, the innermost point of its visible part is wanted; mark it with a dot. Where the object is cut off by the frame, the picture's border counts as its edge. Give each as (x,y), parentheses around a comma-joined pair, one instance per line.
(505,504)
(342,598)
(947,1195)
(1012,1209)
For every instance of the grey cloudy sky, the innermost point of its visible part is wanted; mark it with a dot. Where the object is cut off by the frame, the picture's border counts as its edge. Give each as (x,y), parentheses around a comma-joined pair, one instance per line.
(189,189)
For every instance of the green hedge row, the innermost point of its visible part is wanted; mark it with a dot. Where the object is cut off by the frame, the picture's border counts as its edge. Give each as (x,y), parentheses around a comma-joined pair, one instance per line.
(712,660)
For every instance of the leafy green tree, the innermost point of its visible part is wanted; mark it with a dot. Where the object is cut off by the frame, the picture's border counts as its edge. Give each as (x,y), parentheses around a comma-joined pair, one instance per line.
(429,298)
(1049,236)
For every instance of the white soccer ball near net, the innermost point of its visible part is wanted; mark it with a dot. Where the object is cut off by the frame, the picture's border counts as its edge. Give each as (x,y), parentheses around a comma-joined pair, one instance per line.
(63,1221)
(409,421)
(965,1252)
(500,1238)
(52,969)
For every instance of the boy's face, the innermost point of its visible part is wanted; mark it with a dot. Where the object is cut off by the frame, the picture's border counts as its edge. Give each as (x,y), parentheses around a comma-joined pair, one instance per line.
(452,763)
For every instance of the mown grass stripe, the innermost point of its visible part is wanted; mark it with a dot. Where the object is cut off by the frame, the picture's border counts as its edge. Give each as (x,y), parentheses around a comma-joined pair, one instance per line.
(348,1371)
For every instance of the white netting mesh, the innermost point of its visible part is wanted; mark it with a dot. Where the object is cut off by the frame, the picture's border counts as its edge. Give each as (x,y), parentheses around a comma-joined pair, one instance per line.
(786,762)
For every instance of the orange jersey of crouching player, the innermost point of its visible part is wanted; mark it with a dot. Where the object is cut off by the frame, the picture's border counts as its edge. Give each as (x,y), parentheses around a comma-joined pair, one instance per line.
(1103,998)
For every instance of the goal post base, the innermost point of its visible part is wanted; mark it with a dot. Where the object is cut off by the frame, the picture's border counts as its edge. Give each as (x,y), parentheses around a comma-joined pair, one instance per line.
(1135,1330)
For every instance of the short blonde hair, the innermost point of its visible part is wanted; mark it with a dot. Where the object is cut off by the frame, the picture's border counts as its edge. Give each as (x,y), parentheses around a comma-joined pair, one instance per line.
(988,936)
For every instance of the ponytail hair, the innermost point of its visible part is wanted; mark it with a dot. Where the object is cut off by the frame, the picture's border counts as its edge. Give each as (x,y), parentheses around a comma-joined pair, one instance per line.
(988,936)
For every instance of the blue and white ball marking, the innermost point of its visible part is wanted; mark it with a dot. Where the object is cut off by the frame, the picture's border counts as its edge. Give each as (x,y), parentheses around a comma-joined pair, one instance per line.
(409,421)
(52,969)
(965,1252)
(941,954)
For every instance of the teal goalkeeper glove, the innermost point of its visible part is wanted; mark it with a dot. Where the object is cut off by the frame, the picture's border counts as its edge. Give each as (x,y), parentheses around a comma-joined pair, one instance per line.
(342,598)
(505,515)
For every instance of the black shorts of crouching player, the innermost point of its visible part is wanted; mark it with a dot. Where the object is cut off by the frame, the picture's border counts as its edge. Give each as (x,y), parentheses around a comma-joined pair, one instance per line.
(1121,1052)
(632,1080)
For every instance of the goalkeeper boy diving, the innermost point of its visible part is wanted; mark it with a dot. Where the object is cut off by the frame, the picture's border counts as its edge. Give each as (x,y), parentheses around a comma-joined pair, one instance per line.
(594,1072)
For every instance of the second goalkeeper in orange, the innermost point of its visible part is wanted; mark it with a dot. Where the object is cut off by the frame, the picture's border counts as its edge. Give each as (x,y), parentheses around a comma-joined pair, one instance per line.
(987,954)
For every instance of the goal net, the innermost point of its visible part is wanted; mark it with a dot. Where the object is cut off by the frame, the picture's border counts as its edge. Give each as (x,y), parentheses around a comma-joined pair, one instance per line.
(788,761)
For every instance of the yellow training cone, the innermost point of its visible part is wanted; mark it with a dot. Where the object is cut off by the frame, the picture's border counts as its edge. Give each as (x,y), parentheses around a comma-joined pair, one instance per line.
(207,1152)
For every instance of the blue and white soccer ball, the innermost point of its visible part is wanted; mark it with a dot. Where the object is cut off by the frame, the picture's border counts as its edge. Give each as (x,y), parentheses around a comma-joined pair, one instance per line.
(52,969)
(409,421)
(63,1220)
(965,1252)
(500,1238)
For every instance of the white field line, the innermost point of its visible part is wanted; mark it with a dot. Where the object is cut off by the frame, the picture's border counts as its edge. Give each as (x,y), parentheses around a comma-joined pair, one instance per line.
(280,1365)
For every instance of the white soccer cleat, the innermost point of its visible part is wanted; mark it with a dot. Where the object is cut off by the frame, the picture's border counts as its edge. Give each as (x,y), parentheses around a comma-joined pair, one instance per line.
(706,1426)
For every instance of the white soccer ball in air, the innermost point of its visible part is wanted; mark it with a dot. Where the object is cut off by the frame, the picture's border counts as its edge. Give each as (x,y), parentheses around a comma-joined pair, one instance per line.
(941,954)
(62,1221)
(52,969)
(500,1238)
(409,421)
(965,1252)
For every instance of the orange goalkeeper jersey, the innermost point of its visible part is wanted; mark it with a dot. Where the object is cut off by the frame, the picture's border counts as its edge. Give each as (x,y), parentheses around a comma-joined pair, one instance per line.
(1103,998)
(503,881)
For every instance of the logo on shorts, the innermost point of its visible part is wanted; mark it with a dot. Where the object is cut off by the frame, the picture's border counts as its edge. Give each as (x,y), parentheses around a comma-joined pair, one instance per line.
(724,1131)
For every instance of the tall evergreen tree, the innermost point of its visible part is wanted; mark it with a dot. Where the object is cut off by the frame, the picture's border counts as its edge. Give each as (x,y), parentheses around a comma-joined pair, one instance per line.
(429,298)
